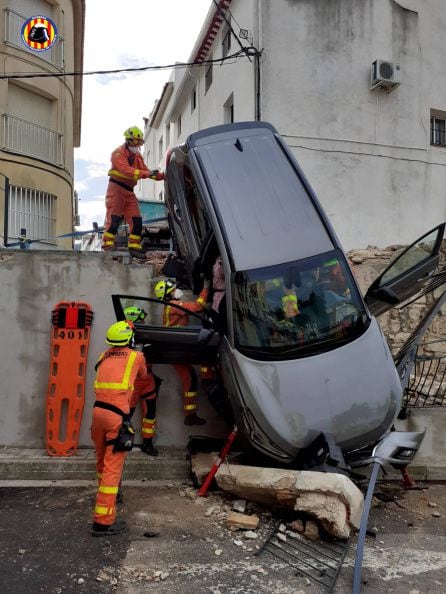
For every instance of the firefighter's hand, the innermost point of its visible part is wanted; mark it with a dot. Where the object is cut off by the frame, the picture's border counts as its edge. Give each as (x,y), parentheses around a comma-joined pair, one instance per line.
(156,175)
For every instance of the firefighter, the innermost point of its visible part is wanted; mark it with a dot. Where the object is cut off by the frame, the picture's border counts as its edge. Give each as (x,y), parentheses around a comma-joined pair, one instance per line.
(172,316)
(146,392)
(111,430)
(127,167)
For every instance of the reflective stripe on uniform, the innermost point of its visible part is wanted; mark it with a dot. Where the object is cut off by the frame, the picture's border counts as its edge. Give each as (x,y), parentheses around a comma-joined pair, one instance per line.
(190,394)
(201,301)
(136,174)
(149,431)
(190,406)
(289,298)
(124,385)
(109,490)
(134,241)
(101,510)
(117,173)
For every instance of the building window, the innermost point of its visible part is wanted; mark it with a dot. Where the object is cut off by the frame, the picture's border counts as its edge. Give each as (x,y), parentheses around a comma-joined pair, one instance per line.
(228,110)
(160,196)
(208,78)
(179,127)
(32,211)
(193,100)
(226,43)
(167,135)
(13,31)
(438,130)
(160,148)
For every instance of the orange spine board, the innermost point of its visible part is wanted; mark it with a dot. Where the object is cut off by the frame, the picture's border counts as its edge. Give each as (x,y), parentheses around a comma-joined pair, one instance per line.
(70,337)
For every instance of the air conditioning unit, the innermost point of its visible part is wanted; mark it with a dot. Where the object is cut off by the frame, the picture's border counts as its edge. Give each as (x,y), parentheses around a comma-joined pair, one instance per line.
(384,74)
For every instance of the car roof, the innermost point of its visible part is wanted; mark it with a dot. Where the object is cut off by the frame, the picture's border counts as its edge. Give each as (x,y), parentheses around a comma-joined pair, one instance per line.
(266,211)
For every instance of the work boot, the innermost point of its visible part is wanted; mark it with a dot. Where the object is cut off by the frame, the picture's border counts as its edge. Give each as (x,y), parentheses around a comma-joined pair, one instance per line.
(137,254)
(194,419)
(103,530)
(148,448)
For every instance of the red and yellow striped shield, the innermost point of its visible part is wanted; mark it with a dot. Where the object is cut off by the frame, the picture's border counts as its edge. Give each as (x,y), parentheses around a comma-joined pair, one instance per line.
(39,33)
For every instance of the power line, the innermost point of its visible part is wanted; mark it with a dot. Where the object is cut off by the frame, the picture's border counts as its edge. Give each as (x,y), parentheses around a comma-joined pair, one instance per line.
(244,51)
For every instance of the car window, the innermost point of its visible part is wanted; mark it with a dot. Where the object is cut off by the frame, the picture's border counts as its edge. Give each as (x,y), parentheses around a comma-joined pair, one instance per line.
(159,314)
(416,254)
(296,308)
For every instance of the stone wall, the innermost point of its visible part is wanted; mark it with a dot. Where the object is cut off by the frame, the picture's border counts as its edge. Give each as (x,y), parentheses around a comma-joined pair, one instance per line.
(398,324)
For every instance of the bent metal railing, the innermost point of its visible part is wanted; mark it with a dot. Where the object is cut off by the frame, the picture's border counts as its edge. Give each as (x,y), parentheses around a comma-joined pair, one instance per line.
(427,382)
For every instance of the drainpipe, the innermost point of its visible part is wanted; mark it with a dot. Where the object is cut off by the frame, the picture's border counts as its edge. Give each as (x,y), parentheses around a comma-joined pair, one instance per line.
(6,213)
(258,112)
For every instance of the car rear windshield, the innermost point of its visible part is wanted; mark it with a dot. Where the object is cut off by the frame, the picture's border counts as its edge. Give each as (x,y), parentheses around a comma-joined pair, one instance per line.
(297,309)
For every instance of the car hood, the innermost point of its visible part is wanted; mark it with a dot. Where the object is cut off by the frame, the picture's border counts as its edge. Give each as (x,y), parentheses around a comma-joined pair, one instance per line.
(352,392)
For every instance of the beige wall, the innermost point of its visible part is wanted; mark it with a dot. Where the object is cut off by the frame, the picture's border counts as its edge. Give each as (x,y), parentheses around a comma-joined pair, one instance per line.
(57,108)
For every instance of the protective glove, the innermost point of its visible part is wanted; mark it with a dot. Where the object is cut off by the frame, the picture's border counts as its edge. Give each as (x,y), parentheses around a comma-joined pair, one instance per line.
(156,175)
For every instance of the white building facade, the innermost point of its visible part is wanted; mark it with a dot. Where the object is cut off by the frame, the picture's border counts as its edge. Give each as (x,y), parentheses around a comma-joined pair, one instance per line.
(356,87)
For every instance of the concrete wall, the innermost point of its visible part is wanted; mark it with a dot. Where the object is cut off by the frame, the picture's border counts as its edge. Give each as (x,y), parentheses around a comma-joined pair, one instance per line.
(31,283)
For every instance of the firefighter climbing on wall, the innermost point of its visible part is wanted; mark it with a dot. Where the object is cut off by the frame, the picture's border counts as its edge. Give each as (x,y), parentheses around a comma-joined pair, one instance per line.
(127,167)
(111,429)
(146,392)
(172,316)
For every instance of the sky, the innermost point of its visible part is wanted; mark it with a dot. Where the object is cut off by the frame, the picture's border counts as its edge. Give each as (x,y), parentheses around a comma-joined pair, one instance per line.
(150,32)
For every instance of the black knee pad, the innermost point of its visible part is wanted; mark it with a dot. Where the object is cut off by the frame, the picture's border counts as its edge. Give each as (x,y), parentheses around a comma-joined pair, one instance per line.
(137,225)
(115,220)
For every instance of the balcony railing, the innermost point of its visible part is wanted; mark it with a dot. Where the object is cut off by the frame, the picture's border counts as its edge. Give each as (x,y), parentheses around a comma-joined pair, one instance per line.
(13,35)
(26,138)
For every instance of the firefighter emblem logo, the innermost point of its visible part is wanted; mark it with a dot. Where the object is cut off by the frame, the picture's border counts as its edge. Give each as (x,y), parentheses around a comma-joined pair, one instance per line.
(39,33)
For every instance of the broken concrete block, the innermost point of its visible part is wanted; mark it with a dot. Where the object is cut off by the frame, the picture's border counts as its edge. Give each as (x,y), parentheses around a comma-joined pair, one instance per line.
(239,505)
(297,526)
(311,530)
(243,521)
(333,499)
(201,463)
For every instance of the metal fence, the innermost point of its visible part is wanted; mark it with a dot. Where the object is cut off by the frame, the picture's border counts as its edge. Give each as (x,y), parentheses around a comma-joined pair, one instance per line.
(427,383)
(26,138)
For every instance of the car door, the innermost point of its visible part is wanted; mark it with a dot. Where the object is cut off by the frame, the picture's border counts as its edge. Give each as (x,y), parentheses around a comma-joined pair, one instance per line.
(192,344)
(407,274)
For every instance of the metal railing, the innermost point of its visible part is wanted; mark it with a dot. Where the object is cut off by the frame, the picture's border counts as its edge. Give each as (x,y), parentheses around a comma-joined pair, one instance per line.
(427,383)
(33,211)
(13,35)
(438,133)
(26,138)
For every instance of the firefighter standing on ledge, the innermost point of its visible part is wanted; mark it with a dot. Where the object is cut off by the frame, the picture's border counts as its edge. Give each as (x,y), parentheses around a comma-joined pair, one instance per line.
(127,167)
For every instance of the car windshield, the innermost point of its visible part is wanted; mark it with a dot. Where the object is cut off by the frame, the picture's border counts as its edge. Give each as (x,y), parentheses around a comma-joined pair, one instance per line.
(296,309)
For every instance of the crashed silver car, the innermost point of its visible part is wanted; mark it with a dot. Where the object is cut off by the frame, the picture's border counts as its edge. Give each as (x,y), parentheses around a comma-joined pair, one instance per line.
(300,352)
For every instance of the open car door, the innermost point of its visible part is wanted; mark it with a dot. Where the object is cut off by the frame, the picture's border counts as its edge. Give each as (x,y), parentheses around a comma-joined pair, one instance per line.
(407,274)
(192,344)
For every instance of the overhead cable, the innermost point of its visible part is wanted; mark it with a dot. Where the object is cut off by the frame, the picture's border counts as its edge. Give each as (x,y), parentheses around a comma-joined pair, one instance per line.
(177,65)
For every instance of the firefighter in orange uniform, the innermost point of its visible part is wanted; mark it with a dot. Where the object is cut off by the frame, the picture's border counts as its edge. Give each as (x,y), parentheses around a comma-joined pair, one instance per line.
(172,316)
(111,430)
(146,392)
(127,167)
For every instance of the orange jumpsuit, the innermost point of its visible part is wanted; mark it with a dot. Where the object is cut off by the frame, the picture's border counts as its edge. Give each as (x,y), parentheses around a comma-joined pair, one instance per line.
(175,317)
(117,370)
(145,390)
(120,200)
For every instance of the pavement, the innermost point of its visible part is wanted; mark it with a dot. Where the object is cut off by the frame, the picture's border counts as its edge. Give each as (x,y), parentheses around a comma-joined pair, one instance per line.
(46,546)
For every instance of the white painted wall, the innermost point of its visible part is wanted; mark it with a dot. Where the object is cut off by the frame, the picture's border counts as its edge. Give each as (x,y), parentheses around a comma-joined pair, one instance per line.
(367,153)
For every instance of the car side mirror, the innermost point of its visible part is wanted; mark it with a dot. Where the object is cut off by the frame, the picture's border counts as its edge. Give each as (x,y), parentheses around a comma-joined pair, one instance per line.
(386,295)
(205,335)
